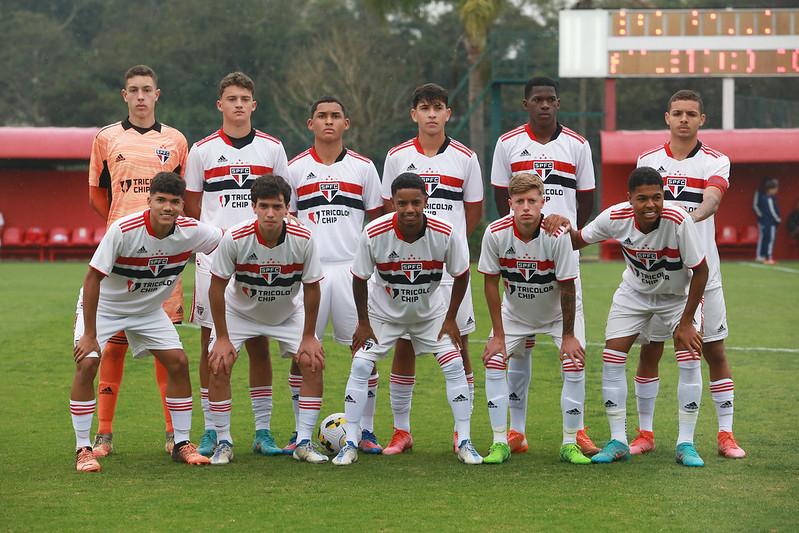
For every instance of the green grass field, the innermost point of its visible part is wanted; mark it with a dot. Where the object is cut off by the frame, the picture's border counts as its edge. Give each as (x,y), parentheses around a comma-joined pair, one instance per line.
(140,488)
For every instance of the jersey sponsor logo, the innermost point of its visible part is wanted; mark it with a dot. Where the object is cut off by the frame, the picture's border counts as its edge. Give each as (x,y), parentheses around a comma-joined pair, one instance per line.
(543,168)
(329,189)
(162,154)
(235,200)
(157,264)
(269,272)
(125,185)
(240,173)
(646,258)
(133,286)
(136,185)
(248,292)
(675,185)
(527,268)
(431,183)
(411,270)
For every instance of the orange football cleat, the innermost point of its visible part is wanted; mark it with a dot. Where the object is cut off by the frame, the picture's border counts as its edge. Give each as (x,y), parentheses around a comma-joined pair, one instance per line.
(186,452)
(643,443)
(85,461)
(585,443)
(401,441)
(517,442)
(728,447)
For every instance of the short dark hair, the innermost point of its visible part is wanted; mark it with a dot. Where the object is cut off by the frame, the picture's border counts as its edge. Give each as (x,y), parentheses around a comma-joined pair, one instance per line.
(140,70)
(326,100)
(408,180)
(236,79)
(644,176)
(430,93)
(539,81)
(686,94)
(270,186)
(167,182)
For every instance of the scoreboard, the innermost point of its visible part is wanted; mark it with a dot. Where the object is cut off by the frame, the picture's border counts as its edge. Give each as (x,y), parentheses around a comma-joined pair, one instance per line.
(679,43)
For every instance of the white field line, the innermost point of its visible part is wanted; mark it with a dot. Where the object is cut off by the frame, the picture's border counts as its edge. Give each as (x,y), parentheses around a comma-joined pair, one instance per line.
(771,267)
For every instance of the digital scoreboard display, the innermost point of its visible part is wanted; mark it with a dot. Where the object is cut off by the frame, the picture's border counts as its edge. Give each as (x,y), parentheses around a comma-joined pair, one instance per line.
(705,63)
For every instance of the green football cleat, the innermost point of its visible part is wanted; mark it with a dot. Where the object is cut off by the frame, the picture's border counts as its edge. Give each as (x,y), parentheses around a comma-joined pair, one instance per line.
(571,453)
(498,453)
(613,451)
(264,443)
(687,455)
(207,443)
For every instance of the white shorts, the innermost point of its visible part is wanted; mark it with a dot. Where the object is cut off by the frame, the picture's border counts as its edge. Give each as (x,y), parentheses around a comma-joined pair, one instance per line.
(336,303)
(200,305)
(714,320)
(465,316)
(287,334)
(632,312)
(423,337)
(517,333)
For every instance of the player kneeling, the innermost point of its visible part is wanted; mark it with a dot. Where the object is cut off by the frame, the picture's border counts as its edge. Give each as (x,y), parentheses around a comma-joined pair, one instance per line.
(130,275)
(269,259)
(538,270)
(409,250)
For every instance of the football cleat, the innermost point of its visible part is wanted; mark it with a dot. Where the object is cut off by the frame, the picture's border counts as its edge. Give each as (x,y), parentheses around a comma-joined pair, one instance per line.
(207,443)
(86,460)
(369,444)
(467,454)
(289,448)
(571,453)
(585,443)
(264,443)
(728,447)
(401,441)
(306,451)
(347,455)
(186,452)
(643,443)
(517,442)
(498,453)
(687,455)
(169,442)
(613,451)
(223,453)
(103,445)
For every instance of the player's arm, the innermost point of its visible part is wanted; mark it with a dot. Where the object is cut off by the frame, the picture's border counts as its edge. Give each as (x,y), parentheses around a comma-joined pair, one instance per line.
(372,214)
(711,200)
(223,355)
(686,336)
(474,213)
(570,346)
(578,243)
(98,199)
(193,204)
(363,331)
(585,206)
(91,296)
(450,325)
(496,344)
(310,346)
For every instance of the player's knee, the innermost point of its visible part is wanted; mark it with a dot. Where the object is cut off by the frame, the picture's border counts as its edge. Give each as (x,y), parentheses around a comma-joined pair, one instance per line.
(574,376)
(495,375)
(87,368)
(361,369)
(453,368)
(175,361)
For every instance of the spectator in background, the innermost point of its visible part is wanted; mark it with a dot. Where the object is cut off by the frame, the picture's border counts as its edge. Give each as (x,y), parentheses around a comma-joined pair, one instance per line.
(793,223)
(768,218)
(2,227)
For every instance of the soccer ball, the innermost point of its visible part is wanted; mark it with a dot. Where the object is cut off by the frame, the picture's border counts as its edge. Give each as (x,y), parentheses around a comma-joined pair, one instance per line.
(331,433)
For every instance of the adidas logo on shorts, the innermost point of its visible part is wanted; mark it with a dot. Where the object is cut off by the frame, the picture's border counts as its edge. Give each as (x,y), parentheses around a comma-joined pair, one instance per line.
(721,328)
(470,321)
(690,406)
(525,152)
(458,398)
(222,159)
(573,411)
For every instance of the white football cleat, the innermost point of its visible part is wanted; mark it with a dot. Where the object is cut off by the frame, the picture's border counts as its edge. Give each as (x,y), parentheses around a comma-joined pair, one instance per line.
(306,451)
(467,454)
(347,455)
(223,453)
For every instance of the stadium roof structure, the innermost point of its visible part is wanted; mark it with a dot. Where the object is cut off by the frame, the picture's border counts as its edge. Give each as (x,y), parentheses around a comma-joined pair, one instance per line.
(46,143)
(742,146)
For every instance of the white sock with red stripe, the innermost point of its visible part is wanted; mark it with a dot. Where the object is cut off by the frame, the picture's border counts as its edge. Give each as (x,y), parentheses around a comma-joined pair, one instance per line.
(451,364)
(614,392)
(180,411)
(261,399)
(355,396)
(207,420)
(309,414)
(520,371)
(82,414)
(646,392)
(295,382)
(572,399)
(400,389)
(368,417)
(722,392)
(220,414)
(497,397)
(689,394)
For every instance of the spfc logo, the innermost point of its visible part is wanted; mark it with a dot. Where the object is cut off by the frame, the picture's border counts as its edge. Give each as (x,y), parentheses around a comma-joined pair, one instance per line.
(431,183)
(125,185)
(329,189)
(411,270)
(157,264)
(163,154)
(675,185)
(543,168)
(240,174)
(527,268)
(133,286)
(647,258)
(270,272)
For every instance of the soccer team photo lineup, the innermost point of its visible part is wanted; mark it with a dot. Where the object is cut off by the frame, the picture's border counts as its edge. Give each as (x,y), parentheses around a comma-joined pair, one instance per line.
(285,248)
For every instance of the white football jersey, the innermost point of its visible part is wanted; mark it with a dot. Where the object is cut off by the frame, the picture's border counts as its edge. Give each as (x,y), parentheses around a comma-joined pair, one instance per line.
(409,273)
(224,174)
(685,182)
(266,281)
(658,262)
(331,200)
(564,164)
(530,270)
(140,268)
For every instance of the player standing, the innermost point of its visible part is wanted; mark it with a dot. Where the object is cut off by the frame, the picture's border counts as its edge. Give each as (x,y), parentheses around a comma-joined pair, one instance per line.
(695,177)
(409,250)
(334,187)
(665,278)
(130,276)
(220,170)
(125,157)
(538,272)
(268,260)
(451,173)
(562,159)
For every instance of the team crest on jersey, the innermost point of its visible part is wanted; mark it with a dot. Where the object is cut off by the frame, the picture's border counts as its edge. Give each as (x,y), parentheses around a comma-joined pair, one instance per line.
(647,258)
(543,168)
(163,154)
(329,189)
(157,264)
(125,185)
(270,272)
(411,270)
(527,268)
(431,183)
(240,174)
(675,185)
(133,286)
